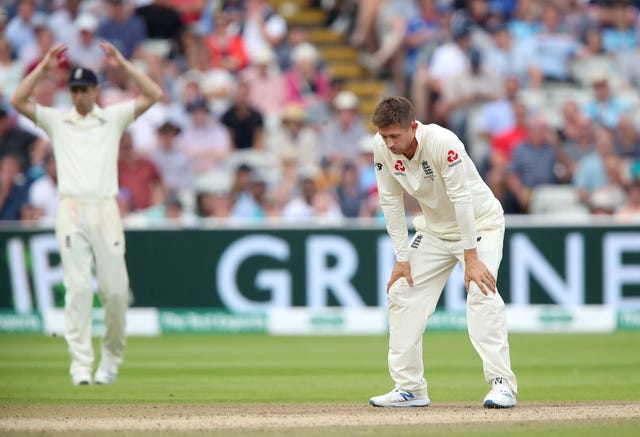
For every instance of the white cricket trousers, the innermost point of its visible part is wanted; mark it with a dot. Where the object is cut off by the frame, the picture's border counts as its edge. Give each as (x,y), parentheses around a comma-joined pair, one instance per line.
(432,260)
(91,231)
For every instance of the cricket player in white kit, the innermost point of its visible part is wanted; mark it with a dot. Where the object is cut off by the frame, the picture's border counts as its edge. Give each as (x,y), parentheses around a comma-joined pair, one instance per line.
(89,228)
(461,221)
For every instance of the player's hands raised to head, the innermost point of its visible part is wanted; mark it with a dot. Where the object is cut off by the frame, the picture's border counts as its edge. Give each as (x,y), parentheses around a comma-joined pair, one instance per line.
(476,271)
(113,57)
(53,57)
(401,269)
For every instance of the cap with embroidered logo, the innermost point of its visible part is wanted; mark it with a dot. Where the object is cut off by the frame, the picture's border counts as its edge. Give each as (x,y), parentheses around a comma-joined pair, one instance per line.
(81,76)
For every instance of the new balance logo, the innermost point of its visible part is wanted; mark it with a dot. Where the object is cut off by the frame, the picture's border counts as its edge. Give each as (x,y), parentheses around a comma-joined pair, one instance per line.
(416,241)
(406,395)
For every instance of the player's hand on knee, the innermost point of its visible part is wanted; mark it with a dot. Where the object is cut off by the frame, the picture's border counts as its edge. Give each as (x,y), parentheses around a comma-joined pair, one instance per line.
(401,269)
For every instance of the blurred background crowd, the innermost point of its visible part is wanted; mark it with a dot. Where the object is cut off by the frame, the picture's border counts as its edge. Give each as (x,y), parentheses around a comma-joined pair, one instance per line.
(258,125)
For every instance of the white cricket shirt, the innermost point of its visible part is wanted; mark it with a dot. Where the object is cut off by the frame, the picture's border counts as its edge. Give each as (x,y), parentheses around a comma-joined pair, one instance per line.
(454,199)
(86,148)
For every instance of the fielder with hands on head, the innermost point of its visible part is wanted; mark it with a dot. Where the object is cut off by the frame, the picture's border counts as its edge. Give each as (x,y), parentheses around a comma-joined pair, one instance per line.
(88,225)
(461,221)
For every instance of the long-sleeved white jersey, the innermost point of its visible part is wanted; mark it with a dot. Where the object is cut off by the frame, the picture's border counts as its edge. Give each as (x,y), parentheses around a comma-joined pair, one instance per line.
(455,201)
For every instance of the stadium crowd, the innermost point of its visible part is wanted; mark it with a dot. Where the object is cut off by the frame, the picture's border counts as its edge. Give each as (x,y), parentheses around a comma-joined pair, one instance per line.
(544,95)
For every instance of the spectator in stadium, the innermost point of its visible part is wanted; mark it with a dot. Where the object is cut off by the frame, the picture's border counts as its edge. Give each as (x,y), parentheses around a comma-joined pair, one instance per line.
(630,210)
(466,92)
(14,189)
(162,20)
(598,168)
(262,27)
(508,56)
(205,139)
(245,123)
(62,20)
(533,163)
(43,192)
(341,135)
(121,28)
(225,45)
(294,140)
(391,27)
(173,163)
(17,142)
(606,107)
(33,51)
(20,30)
(85,49)
(350,195)
(627,138)
(579,143)
(266,85)
(554,49)
(449,60)
(11,70)
(501,149)
(139,175)
(425,31)
(307,82)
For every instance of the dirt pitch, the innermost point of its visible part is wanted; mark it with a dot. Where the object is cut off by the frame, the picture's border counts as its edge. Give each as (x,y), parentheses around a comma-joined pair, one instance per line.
(290,418)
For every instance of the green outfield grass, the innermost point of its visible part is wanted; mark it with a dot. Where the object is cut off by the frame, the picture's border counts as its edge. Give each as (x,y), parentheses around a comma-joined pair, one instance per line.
(223,369)
(257,368)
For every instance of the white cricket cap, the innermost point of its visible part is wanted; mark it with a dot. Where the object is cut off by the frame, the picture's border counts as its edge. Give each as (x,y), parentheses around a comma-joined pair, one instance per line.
(345,100)
(87,22)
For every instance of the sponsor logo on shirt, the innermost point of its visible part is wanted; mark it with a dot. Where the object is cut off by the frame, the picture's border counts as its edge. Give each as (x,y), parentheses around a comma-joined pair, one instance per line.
(453,158)
(428,171)
(399,168)
(379,166)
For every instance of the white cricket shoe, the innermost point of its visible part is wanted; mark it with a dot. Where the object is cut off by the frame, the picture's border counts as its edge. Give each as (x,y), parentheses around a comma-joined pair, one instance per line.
(104,377)
(400,398)
(81,377)
(500,395)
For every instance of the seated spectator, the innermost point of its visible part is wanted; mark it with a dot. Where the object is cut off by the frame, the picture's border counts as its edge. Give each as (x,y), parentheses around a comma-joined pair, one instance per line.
(17,142)
(43,192)
(248,194)
(627,138)
(594,57)
(577,145)
(11,70)
(351,197)
(463,93)
(162,21)
(630,210)
(20,30)
(84,49)
(599,168)
(205,139)
(262,27)
(449,60)
(295,140)
(501,149)
(226,46)
(244,122)
(391,28)
(341,135)
(121,28)
(605,108)
(509,56)
(14,190)
(533,163)
(300,207)
(173,163)
(266,85)
(139,176)
(307,82)
(554,49)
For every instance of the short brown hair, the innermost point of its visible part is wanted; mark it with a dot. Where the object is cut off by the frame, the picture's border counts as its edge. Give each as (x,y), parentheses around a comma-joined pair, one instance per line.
(393,110)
